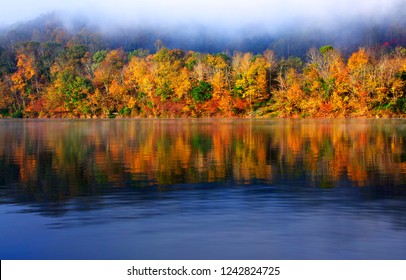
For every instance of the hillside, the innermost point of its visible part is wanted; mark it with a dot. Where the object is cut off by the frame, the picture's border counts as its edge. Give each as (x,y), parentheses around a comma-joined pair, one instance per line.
(58,67)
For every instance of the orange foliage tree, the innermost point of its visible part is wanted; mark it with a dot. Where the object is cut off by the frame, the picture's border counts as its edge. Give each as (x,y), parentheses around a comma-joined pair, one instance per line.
(75,78)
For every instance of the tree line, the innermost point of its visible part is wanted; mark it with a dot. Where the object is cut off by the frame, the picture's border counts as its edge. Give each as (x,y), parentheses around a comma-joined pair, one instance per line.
(51,79)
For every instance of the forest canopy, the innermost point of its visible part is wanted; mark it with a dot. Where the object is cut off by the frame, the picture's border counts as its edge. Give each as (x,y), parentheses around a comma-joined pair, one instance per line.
(47,70)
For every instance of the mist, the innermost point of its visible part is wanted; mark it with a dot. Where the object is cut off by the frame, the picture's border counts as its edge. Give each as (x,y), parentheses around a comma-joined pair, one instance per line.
(214,25)
(210,13)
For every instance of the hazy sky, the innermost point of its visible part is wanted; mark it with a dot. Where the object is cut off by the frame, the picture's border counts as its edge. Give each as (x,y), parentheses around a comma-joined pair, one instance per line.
(210,12)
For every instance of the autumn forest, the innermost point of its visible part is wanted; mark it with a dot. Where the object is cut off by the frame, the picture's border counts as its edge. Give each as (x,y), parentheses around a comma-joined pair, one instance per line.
(71,77)
(188,130)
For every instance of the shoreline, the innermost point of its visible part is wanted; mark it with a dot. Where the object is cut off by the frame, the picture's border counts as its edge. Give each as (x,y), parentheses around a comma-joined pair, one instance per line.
(403,117)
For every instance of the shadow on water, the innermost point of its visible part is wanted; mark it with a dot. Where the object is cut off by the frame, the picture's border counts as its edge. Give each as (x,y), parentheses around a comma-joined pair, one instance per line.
(203,189)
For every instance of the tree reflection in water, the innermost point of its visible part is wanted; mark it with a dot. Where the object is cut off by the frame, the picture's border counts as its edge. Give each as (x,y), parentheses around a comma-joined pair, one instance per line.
(53,160)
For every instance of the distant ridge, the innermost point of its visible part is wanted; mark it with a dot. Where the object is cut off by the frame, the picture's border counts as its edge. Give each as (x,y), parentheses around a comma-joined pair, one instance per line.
(292,41)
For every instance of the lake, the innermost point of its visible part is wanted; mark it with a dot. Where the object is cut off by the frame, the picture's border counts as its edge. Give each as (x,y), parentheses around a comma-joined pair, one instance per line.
(203,189)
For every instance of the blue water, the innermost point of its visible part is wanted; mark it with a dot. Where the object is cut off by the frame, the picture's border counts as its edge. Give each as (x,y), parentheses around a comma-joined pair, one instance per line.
(122,212)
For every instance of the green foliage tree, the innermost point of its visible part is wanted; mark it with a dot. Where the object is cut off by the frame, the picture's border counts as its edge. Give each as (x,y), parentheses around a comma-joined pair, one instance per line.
(202,92)
(73,91)
(98,57)
(325,49)
(141,53)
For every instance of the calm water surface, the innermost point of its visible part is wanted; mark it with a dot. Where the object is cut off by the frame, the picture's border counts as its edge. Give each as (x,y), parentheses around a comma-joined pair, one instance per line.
(203,189)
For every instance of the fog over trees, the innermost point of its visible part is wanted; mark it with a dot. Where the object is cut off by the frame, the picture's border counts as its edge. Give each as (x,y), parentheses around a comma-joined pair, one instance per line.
(301,62)
(289,28)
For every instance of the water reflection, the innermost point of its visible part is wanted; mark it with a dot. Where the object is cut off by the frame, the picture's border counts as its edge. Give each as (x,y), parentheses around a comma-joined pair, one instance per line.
(198,188)
(53,160)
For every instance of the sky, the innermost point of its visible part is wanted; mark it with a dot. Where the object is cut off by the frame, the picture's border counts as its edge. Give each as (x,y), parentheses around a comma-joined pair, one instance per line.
(229,13)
